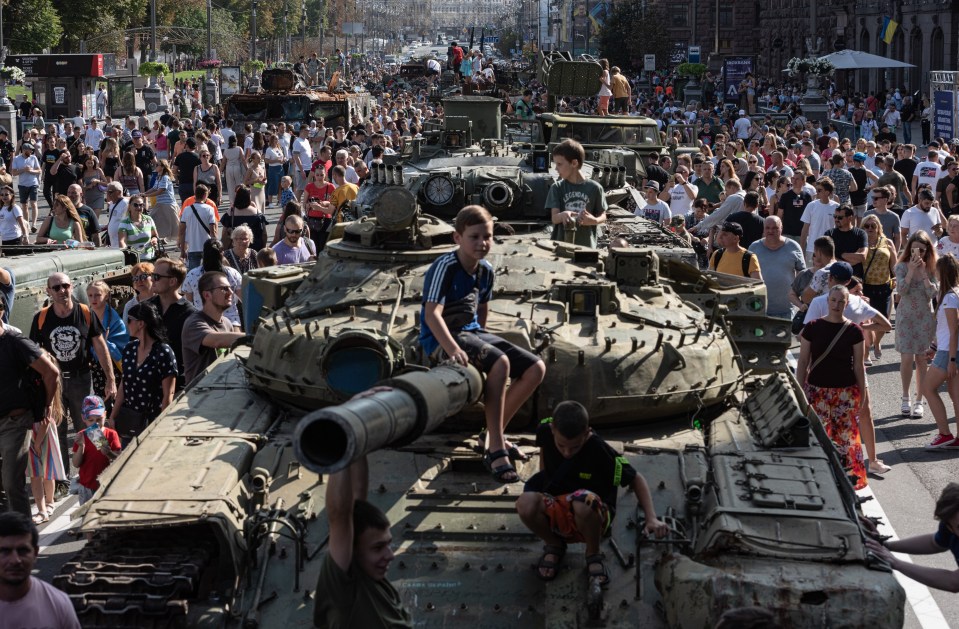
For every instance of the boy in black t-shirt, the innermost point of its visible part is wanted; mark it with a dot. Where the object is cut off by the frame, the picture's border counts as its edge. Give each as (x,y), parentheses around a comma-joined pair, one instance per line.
(573,498)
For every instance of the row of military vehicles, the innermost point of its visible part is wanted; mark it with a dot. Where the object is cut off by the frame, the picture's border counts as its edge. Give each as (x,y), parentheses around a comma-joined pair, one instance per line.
(214,516)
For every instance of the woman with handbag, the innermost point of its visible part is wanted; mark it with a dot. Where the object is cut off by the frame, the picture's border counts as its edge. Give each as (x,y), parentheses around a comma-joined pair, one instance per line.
(149,374)
(830,367)
(878,275)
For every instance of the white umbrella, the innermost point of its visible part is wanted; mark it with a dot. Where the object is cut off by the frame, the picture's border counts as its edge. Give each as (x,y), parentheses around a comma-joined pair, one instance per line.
(856,60)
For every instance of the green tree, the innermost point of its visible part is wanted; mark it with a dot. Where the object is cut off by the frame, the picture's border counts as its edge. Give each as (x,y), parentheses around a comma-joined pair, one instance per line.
(31,25)
(91,19)
(631,31)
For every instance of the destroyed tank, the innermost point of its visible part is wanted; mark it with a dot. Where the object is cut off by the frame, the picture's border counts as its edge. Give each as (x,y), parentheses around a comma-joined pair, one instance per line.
(214,516)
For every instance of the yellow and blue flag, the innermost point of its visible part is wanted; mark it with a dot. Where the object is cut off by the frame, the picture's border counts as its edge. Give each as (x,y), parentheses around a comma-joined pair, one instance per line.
(889,26)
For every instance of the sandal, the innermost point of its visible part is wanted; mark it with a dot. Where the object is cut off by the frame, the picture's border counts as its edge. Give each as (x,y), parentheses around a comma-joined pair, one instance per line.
(500,471)
(550,549)
(597,559)
(514,453)
(40,518)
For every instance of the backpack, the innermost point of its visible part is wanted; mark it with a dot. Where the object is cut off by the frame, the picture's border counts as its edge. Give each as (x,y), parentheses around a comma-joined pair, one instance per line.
(42,315)
(747,258)
(31,383)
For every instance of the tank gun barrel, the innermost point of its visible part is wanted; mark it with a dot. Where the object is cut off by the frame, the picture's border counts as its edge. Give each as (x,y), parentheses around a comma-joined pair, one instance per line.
(328,440)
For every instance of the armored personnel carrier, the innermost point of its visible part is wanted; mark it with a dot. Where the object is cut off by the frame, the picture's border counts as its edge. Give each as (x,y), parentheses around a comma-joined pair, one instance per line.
(214,515)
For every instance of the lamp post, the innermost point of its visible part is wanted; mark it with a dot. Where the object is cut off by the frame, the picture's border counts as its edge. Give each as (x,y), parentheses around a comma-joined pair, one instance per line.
(253,32)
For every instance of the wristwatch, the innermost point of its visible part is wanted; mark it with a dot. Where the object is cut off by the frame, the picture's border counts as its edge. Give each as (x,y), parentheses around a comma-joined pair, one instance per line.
(953,359)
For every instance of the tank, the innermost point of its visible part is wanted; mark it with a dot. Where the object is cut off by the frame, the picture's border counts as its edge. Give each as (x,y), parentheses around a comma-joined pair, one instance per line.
(214,516)
(31,265)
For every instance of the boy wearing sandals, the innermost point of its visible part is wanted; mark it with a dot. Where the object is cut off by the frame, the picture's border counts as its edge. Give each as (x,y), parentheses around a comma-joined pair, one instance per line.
(456,294)
(572,499)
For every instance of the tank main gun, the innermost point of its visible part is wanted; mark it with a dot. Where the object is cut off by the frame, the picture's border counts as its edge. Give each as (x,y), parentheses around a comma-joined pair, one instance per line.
(328,440)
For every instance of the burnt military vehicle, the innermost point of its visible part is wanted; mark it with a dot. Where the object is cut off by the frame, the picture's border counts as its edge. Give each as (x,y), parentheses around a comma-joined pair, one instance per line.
(214,516)
(285,98)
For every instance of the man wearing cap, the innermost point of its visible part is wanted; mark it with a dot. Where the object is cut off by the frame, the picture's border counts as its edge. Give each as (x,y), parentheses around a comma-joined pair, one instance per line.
(743,126)
(145,155)
(656,209)
(27,168)
(184,166)
(730,257)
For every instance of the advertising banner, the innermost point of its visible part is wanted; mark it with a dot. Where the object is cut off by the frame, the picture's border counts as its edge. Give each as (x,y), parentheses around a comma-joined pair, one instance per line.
(943,125)
(734,73)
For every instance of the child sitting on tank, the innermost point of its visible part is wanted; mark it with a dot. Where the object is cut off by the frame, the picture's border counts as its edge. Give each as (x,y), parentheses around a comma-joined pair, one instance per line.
(577,204)
(573,497)
(456,294)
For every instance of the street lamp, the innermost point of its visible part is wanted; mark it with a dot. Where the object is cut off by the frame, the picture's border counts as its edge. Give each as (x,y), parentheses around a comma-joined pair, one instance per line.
(253,32)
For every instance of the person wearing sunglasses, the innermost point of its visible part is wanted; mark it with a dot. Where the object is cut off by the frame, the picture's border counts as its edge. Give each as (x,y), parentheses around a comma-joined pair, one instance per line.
(141,274)
(167,278)
(137,230)
(207,332)
(69,331)
(294,248)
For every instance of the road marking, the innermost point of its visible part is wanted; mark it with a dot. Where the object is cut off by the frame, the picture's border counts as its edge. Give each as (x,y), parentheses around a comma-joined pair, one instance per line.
(918,595)
(56,527)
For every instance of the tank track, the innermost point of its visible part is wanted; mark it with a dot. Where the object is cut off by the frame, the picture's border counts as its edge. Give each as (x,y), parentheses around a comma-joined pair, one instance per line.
(136,579)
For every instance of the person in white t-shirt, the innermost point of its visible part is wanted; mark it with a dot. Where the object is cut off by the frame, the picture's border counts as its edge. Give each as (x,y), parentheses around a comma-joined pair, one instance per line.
(655,209)
(818,215)
(924,216)
(26,601)
(928,172)
(743,126)
(682,194)
(950,244)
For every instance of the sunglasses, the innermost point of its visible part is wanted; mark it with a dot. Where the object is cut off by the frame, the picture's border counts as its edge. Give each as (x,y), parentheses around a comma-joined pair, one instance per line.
(839,217)
(156,276)
(225,289)
(294,231)
(59,287)
(870,227)
(142,277)
(136,205)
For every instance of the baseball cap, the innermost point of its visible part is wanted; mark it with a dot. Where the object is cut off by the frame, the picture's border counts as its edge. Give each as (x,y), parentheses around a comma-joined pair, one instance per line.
(733,228)
(653,185)
(27,145)
(265,127)
(136,134)
(93,407)
(840,271)
(859,157)
(742,112)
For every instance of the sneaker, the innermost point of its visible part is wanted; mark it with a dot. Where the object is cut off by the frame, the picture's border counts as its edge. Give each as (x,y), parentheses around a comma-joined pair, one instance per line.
(918,410)
(941,441)
(878,468)
(877,353)
(867,363)
(906,409)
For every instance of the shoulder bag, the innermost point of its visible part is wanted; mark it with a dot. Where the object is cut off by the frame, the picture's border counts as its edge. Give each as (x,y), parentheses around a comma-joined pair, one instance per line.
(831,345)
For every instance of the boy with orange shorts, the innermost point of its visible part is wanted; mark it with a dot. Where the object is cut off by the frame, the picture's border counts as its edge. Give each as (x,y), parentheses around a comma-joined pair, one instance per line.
(573,498)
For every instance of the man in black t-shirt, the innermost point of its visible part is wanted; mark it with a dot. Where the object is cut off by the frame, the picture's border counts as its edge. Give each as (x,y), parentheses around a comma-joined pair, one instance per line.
(174,309)
(145,155)
(573,498)
(791,206)
(68,330)
(656,172)
(16,409)
(906,163)
(851,242)
(65,173)
(183,167)
(749,219)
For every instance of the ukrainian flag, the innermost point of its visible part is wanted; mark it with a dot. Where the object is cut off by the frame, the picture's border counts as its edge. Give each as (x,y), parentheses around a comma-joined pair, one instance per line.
(889,26)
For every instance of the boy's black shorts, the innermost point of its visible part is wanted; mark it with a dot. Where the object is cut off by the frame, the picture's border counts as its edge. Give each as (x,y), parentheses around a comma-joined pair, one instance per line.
(484,349)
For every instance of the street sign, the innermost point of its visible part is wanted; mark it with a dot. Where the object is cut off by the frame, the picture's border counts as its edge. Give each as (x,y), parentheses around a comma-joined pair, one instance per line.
(695,54)
(491,39)
(649,63)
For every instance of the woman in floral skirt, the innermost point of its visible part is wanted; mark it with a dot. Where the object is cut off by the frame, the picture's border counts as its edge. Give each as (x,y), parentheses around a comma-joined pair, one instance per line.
(831,369)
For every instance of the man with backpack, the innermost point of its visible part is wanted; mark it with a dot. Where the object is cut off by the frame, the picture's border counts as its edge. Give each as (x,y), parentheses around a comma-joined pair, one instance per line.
(731,258)
(68,330)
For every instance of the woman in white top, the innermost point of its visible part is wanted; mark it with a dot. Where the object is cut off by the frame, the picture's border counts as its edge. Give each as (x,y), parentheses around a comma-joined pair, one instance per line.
(13,227)
(604,89)
(943,367)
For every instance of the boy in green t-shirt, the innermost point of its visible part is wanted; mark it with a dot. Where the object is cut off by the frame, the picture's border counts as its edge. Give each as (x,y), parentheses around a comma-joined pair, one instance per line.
(577,205)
